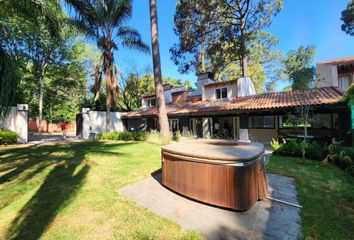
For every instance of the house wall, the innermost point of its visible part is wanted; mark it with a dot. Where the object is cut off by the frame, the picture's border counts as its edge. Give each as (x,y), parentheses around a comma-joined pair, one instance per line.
(264,135)
(95,122)
(16,120)
(209,93)
(326,75)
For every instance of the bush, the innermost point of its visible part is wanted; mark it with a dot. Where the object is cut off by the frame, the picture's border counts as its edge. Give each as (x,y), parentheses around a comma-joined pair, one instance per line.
(155,137)
(276,144)
(7,137)
(294,148)
(126,136)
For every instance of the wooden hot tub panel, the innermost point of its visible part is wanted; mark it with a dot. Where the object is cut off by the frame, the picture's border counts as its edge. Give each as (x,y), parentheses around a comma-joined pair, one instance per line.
(221,185)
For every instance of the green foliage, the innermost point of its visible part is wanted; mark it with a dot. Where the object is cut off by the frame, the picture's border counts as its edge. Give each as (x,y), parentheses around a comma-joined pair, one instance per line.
(214,34)
(341,156)
(155,137)
(348,19)
(126,136)
(8,81)
(276,144)
(298,67)
(104,21)
(177,82)
(7,137)
(294,148)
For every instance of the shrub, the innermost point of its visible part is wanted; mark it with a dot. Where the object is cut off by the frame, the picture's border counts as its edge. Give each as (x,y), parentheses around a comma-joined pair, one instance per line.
(7,137)
(126,136)
(155,137)
(294,148)
(276,144)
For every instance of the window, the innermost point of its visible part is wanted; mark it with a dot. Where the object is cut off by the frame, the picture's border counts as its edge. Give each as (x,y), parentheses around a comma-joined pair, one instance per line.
(173,123)
(261,122)
(151,102)
(322,121)
(218,93)
(221,93)
(292,121)
(344,82)
(317,121)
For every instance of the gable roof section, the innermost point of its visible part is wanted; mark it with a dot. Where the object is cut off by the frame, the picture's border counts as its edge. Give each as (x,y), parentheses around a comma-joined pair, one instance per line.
(277,100)
(344,60)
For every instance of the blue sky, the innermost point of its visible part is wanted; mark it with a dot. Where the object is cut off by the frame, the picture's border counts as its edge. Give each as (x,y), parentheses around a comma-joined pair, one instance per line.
(301,22)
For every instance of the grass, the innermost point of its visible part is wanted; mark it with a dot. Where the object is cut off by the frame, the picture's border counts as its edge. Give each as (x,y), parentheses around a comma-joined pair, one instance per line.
(69,191)
(326,194)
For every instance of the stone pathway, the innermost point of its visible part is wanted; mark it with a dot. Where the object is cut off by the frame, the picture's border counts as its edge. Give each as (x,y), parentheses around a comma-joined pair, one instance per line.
(265,220)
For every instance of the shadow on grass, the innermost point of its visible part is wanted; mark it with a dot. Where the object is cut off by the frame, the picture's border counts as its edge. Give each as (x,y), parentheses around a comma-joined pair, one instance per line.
(60,186)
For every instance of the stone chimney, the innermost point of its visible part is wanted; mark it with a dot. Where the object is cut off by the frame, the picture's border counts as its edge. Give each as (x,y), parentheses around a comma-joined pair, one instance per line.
(203,78)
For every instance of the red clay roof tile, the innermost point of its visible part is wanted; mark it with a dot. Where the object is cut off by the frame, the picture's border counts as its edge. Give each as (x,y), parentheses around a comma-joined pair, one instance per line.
(277,100)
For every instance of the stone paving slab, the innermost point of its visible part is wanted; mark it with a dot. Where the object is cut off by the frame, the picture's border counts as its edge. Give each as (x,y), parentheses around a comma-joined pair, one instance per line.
(265,220)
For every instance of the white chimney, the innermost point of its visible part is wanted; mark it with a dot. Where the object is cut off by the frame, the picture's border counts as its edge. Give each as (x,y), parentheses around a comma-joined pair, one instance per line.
(245,87)
(203,78)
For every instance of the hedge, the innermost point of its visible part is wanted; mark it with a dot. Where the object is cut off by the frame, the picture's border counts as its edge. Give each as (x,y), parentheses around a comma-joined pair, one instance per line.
(7,137)
(133,136)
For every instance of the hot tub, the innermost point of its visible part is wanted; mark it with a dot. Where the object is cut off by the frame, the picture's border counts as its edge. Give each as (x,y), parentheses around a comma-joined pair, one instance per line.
(222,173)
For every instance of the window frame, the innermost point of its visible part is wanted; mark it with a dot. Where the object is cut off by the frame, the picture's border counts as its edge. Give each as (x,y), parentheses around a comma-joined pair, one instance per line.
(263,125)
(149,101)
(350,80)
(220,92)
(311,127)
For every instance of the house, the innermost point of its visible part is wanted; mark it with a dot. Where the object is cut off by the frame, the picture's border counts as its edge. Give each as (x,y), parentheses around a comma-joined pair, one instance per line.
(232,109)
(338,73)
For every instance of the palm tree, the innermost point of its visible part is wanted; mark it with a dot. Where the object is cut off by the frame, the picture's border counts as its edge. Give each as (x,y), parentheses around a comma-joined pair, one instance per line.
(104,21)
(162,114)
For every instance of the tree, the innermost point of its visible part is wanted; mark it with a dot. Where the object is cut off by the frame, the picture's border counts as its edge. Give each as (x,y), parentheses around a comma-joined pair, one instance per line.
(221,32)
(104,21)
(36,12)
(348,19)
(8,81)
(162,114)
(131,90)
(299,68)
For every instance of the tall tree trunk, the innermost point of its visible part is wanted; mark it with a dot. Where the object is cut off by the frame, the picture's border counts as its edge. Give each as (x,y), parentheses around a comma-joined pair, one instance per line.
(243,50)
(162,114)
(41,95)
(108,68)
(108,95)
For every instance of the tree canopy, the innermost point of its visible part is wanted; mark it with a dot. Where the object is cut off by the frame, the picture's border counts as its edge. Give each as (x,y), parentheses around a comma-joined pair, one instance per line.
(299,67)
(215,34)
(348,19)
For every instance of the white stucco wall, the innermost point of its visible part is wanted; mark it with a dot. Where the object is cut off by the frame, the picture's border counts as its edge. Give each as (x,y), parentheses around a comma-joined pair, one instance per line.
(209,93)
(245,87)
(326,75)
(95,122)
(16,120)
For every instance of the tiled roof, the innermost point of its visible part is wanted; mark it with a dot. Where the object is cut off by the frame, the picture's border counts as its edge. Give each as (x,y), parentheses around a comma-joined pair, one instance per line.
(277,100)
(151,111)
(222,83)
(344,60)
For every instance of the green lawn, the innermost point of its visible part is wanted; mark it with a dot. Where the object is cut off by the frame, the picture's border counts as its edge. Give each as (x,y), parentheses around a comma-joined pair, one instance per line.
(326,194)
(69,191)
